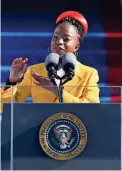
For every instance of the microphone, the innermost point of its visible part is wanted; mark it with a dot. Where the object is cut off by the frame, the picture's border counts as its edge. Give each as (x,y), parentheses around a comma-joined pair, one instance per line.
(69,62)
(51,64)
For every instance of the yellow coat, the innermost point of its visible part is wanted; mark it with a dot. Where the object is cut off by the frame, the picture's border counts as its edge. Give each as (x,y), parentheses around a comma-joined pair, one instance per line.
(82,88)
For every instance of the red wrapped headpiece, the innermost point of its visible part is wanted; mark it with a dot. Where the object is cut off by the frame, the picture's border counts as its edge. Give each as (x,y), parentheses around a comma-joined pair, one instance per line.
(76,16)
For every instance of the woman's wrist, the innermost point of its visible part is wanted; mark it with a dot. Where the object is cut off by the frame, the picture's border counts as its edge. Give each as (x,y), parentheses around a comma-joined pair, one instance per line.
(10,82)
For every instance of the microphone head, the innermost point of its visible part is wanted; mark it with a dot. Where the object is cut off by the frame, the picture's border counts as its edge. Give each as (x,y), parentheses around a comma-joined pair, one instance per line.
(52,60)
(69,61)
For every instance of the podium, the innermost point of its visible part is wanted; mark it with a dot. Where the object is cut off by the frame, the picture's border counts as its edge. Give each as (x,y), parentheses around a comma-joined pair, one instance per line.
(20,138)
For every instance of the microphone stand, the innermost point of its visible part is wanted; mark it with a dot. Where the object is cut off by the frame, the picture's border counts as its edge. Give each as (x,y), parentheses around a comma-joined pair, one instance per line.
(61,87)
(52,75)
(60,90)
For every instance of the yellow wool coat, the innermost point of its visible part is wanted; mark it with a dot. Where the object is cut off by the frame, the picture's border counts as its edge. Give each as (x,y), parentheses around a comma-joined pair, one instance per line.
(83,88)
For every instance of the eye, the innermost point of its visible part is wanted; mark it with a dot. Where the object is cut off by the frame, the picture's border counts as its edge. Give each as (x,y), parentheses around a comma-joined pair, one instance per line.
(66,39)
(55,37)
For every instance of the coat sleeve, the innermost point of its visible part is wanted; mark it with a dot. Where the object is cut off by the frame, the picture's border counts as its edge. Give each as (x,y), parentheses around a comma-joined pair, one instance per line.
(19,92)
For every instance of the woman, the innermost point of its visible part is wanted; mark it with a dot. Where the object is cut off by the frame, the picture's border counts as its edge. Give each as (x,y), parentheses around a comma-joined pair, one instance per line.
(71,27)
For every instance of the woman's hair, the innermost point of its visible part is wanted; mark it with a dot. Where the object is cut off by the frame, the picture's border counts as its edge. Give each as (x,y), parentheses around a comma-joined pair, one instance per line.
(76,24)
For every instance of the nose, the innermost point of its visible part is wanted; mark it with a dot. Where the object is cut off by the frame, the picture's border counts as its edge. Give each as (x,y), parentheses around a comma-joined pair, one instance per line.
(60,41)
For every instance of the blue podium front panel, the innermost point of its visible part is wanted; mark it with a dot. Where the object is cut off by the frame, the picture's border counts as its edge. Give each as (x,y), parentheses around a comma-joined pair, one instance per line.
(22,149)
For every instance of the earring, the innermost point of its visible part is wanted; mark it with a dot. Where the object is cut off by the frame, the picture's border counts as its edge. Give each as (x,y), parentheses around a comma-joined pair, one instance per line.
(49,49)
(76,53)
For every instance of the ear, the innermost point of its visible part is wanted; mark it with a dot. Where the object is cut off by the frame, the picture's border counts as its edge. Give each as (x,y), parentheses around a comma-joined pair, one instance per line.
(77,46)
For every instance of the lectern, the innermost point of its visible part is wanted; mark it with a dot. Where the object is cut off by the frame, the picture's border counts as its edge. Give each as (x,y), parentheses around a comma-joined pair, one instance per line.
(66,136)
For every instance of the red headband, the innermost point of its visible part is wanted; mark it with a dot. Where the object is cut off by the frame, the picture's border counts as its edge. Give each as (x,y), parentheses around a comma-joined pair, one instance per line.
(76,16)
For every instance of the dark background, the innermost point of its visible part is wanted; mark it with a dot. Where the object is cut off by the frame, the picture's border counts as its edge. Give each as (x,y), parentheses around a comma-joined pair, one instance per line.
(52,6)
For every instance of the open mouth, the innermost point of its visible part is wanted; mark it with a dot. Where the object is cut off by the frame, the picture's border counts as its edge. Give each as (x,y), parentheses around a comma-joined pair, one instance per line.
(60,49)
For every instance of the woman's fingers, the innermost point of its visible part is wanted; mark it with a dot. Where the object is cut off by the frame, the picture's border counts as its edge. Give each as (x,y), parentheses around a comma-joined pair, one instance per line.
(20,61)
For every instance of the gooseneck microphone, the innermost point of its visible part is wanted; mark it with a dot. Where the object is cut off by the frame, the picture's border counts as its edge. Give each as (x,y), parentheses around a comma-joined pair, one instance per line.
(51,64)
(69,62)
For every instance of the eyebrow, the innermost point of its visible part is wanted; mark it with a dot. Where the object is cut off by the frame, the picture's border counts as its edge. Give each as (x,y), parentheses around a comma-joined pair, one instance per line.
(64,34)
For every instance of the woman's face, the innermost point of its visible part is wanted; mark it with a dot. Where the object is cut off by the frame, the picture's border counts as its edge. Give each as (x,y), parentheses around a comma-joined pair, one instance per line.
(65,39)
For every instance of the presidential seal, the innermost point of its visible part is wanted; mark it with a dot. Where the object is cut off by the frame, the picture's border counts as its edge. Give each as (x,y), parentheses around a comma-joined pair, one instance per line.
(63,136)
